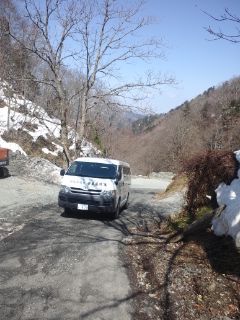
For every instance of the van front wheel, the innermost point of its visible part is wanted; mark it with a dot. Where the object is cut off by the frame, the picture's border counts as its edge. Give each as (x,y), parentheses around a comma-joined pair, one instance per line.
(67,211)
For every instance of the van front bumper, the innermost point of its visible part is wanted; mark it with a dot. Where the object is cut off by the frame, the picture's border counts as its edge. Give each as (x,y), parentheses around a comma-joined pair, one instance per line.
(95,203)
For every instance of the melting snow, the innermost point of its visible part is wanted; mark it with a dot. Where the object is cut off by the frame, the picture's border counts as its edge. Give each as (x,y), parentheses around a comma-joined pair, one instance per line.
(38,123)
(228,223)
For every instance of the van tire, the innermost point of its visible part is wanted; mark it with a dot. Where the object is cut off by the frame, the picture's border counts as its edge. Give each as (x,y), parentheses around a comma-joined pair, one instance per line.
(126,205)
(67,211)
(117,210)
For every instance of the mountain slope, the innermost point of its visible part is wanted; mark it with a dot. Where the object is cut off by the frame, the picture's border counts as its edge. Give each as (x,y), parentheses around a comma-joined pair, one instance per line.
(32,130)
(209,121)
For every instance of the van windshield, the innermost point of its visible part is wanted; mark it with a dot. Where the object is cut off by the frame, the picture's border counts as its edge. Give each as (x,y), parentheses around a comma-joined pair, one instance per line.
(93,170)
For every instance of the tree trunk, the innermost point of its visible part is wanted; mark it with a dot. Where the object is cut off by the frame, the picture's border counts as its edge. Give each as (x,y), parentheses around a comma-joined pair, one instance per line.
(8,114)
(80,134)
(64,136)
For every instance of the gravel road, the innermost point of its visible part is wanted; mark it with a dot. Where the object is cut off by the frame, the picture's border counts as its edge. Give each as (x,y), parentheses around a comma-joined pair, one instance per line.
(58,267)
(150,183)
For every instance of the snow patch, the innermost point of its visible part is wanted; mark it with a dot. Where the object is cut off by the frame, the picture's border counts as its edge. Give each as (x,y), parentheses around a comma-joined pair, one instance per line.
(228,223)
(54,153)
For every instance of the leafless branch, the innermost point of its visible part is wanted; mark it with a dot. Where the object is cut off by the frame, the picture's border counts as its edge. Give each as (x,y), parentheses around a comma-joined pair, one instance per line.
(226,17)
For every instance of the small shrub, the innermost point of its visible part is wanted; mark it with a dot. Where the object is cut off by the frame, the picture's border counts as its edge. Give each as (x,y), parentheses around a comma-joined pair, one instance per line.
(205,172)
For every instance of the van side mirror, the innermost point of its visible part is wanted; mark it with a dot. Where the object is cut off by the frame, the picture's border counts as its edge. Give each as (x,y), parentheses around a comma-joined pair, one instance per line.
(62,172)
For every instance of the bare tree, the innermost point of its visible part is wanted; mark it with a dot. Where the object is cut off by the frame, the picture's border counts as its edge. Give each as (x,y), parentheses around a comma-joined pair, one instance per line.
(227,18)
(110,38)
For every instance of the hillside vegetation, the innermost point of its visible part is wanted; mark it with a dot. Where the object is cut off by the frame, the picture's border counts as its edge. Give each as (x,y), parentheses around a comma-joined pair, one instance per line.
(208,122)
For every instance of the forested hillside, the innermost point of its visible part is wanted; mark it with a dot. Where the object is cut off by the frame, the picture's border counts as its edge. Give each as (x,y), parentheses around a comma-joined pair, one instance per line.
(209,121)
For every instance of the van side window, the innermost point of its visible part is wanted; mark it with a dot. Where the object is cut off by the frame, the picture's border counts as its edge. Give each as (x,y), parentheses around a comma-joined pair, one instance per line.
(126,171)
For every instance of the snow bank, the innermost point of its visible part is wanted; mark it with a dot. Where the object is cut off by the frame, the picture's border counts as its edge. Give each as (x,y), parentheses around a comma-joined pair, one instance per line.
(37,168)
(44,170)
(16,112)
(228,223)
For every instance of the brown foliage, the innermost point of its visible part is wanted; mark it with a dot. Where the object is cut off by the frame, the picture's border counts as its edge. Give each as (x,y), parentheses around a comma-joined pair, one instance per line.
(205,171)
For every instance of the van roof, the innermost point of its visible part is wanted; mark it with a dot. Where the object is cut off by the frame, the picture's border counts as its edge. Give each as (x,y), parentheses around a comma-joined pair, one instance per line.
(103,160)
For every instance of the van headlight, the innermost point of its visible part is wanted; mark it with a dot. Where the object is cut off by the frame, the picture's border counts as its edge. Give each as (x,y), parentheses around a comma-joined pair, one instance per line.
(65,189)
(108,194)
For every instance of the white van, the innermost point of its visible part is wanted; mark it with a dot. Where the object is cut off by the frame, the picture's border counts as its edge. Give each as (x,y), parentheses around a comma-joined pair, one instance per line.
(95,184)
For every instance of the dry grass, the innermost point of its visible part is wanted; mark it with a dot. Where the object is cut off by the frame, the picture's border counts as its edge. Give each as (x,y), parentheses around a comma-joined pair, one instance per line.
(178,184)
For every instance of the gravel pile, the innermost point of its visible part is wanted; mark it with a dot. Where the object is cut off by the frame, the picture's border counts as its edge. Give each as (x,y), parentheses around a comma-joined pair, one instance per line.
(37,168)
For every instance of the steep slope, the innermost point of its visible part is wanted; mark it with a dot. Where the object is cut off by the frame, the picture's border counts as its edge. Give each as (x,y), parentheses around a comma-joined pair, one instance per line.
(28,128)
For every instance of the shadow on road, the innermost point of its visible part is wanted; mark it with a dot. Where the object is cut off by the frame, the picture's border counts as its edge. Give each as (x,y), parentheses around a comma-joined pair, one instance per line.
(48,244)
(44,251)
(138,215)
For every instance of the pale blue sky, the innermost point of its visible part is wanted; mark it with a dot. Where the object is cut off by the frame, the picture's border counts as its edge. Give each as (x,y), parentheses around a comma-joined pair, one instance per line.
(196,62)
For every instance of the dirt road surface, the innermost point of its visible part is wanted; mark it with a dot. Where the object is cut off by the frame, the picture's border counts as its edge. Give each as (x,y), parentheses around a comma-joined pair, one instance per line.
(66,267)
